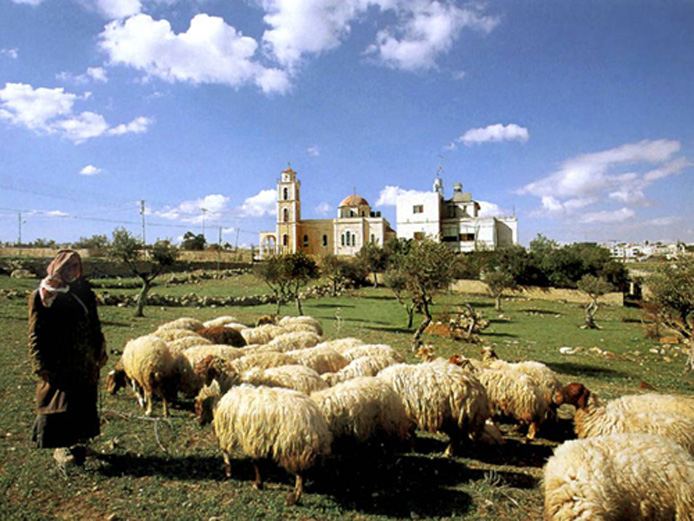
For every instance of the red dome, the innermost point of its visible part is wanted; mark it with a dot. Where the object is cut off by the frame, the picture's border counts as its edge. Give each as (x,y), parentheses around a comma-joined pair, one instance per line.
(353,201)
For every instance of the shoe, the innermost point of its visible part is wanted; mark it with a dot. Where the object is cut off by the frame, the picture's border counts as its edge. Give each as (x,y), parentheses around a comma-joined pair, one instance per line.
(63,456)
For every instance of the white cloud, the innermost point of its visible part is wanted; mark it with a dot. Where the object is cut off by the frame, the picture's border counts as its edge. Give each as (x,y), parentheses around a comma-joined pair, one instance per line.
(27,2)
(57,213)
(136,126)
(591,178)
(388,196)
(426,30)
(313,151)
(259,205)
(118,8)
(495,134)
(96,74)
(210,51)
(211,208)
(323,209)
(10,53)
(488,209)
(50,111)
(664,221)
(607,217)
(90,170)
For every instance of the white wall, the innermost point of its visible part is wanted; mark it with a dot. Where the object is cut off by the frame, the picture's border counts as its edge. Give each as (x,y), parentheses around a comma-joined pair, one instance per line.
(428,222)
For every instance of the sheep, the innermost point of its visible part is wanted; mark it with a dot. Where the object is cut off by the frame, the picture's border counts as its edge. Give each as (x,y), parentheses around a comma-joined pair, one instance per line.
(189,381)
(182,323)
(669,416)
(441,397)
(220,321)
(620,476)
(262,361)
(293,340)
(178,346)
(575,394)
(272,423)
(149,365)
(514,394)
(353,353)
(342,344)
(321,359)
(266,319)
(546,380)
(261,334)
(362,366)
(289,322)
(222,335)
(363,407)
(237,326)
(297,377)
(169,335)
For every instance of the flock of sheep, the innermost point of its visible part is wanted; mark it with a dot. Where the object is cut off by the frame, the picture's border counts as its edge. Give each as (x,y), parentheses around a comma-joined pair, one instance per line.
(277,391)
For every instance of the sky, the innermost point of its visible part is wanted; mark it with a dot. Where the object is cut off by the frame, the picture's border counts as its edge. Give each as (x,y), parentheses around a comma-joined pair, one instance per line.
(574,116)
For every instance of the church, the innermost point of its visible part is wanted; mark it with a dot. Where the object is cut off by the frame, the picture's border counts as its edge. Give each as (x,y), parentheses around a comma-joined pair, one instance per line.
(355,225)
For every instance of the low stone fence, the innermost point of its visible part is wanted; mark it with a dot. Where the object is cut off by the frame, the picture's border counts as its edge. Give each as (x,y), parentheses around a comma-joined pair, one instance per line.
(476,287)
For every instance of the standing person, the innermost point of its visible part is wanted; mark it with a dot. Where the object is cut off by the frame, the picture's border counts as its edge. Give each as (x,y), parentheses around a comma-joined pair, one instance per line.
(67,350)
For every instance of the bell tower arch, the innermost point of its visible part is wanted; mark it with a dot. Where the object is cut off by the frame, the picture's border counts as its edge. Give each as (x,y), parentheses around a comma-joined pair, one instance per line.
(288,211)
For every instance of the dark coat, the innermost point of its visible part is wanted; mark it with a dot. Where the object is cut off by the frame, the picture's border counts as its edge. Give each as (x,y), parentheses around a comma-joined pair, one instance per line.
(67,350)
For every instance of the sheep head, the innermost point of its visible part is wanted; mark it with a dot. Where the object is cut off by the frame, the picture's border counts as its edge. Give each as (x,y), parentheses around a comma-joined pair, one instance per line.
(575,394)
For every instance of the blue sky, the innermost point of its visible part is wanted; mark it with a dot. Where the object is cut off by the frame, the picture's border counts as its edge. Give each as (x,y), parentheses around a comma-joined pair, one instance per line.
(577,116)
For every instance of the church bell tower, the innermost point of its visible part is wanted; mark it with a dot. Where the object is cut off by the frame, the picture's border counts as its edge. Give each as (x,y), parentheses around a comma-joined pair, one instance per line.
(288,211)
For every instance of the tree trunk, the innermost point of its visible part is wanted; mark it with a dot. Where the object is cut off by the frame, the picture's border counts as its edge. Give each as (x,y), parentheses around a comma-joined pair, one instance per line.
(334,287)
(298,304)
(278,296)
(427,320)
(690,359)
(410,315)
(497,302)
(142,298)
(591,309)
(375,274)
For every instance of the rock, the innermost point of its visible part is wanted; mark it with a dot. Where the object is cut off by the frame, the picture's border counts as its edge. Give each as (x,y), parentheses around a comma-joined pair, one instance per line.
(22,273)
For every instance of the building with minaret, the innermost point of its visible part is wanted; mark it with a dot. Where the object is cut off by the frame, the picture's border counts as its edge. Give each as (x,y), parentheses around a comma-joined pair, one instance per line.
(355,225)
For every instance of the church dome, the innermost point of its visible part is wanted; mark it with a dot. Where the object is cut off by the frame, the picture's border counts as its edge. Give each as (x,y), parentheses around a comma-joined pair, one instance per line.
(353,200)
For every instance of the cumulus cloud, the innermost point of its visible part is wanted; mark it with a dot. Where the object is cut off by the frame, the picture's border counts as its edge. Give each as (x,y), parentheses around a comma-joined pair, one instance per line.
(421,31)
(118,8)
(94,74)
(56,213)
(12,53)
(259,205)
(136,126)
(388,196)
(313,151)
(90,170)
(495,134)
(594,178)
(50,111)
(210,208)
(27,2)
(323,209)
(488,209)
(210,51)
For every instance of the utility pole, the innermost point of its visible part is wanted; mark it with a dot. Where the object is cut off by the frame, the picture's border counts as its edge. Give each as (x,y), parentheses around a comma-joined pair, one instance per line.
(219,249)
(204,211)
(236,245)
(142,213)
(19,221)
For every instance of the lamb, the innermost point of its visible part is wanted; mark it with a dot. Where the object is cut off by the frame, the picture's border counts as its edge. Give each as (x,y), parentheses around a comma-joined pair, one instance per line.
(272,423)
(149,365)
(620,476)
(441,397)
(222,335)
(293,340)
(320,359)
(353,353)
(220,321)
(289,322)
(182,323)
(362,366)
(297,377)
(669,416)
(363,407)
(261,334)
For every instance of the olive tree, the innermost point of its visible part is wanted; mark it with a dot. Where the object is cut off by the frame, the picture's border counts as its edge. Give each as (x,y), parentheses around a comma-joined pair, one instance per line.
(146,264)
(498,282)
(594,287)
(286,274)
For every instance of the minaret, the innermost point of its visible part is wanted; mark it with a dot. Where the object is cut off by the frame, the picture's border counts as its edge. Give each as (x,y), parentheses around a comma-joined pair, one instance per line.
(288,211)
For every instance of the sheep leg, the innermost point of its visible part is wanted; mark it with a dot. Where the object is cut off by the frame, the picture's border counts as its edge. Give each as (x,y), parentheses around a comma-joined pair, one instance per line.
(165,406)
(258,483)
(148,402)
(138,393)
(294,497)
(532,431)
(227,464)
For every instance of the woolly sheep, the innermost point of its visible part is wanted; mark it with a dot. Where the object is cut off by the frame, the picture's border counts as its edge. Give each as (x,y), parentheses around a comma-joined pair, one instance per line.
(290,322)
(514,394)
(665,415)
(297,377)
(261,334)
(182,323)
(169,335)
(363,366)
(148,364)
(544,378)
(272,423)
(190,382)
(293,340)
(222,335)
(236,325)
(220,321)
(178,346)
(363,407)
(262,361)
(372,350)
(441,397)
(342,344)
(619,477)
(320,359)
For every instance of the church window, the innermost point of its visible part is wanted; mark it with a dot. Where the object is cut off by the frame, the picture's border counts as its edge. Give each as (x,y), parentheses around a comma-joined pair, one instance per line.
(325,240)
(285,240)
(373,238)
(305,241)
(285,193)
(285,215)
(354,239)
(418,208)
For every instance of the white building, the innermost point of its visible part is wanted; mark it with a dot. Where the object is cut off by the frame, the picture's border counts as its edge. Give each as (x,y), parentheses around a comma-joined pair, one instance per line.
(455,221)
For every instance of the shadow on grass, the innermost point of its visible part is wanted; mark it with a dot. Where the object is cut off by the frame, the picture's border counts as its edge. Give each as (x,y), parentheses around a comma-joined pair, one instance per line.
(574,369)
(391,329)
(503,335)
(326,305)
(376,297)
(541,312)
(188,468)
(115,323)
(366,321)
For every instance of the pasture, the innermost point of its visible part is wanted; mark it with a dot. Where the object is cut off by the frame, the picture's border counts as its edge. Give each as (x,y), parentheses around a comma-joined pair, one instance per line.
(161,469)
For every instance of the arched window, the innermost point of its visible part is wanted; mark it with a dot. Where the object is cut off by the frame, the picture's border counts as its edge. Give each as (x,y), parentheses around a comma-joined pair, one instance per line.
(354,239)
(305,241)
(285,193)
(373,238)
(285,240)
(285,215)
(325,240)
(342,239)
(347,234)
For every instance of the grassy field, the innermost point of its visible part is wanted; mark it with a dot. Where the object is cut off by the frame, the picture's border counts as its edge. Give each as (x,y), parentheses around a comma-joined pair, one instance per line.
(155,469)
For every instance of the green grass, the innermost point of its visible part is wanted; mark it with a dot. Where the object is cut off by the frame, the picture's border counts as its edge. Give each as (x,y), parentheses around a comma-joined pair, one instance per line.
(156,470)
